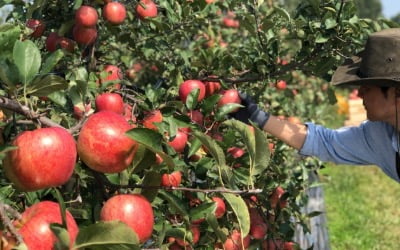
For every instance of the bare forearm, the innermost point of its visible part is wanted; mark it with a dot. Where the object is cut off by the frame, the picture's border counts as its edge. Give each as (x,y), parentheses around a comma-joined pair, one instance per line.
(292,134)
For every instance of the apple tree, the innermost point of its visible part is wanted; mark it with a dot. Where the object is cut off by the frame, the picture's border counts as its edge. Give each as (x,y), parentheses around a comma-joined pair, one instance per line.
(116,129)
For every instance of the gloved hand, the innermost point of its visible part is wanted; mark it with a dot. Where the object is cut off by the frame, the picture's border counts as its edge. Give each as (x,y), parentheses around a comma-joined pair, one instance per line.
(251,112)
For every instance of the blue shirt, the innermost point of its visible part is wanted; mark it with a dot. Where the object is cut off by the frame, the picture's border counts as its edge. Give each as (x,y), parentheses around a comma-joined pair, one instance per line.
(371,143)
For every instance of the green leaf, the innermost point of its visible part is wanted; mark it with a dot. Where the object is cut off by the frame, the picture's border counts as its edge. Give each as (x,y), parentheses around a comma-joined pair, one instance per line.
(202,210)
(330,23)
(47,85)
(191,99)
(8,73)
(262,157)
(283,13)
(175,202)
(9,34)
(217,153)
(62,235)
(151,179)
(246,135)
(226,109)
(213,222)
(107,236)
(152,141)
(51,61)
(144,158)
(241,211)
(28,60)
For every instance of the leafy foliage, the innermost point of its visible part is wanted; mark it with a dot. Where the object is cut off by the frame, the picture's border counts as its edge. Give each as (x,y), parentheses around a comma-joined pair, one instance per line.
(187,40)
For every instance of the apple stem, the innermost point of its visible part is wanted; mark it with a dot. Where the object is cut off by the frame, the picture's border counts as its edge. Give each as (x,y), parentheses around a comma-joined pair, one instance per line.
(4,210)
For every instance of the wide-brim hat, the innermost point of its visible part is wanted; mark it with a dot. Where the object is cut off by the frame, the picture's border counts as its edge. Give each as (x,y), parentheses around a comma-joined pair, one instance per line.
(378,64)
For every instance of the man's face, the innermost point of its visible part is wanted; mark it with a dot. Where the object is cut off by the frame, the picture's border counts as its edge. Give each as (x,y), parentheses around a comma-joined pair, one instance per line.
(379,107)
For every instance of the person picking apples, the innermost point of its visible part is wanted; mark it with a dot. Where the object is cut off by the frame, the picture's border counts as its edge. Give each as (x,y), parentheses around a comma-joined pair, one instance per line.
(376,141)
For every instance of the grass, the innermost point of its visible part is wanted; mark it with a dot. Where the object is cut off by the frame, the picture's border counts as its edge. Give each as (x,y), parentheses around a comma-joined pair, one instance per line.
(363,208)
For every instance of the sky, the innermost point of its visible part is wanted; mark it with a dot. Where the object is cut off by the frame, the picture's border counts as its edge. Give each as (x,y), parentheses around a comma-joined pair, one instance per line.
(390,7)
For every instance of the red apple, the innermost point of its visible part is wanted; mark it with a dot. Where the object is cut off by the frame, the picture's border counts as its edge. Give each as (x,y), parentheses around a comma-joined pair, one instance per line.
(111,102)
(234,241)
(212,87)
(171,180)
(67,44)
(281,85)
(81,109)
(114,74)
(103,145)
(45,158)
(86,16)
(179,141)
(52,41)
(196,116)
(229,96)
(236,152)
(149,11)
(230,22)
(37,26)
(188,86)
(152,117)
(114,12)
(84,35)
(128,113)
(134,210)
(276,198)
(221,207)
(34,225)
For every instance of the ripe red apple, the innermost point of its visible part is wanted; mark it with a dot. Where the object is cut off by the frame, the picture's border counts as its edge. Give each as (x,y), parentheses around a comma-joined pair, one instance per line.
(114,12)
(276,198)
(195,229)
(171,180)
(148,12)
(45,158)
(52,41)
(188,86)
(37,26)
(229,96)
(236,152)
(134,210)
(34,225)
(281,85)
(230,22)
(196,116)
(84,35)
(179,141)
(67,44)
(111,102)
(80,109)
(103,145)
(258,230)
(152,117)
(212,87)
(86,16)
(234,241)
(114,74)
(221,207)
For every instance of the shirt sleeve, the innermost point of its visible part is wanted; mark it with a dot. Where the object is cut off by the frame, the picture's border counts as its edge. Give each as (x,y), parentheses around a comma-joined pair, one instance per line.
(347,145)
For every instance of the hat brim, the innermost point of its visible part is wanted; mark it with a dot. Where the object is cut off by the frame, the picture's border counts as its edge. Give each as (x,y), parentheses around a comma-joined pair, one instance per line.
(347,75)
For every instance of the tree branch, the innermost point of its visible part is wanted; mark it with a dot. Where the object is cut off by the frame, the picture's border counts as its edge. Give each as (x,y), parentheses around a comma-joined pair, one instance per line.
(24,110)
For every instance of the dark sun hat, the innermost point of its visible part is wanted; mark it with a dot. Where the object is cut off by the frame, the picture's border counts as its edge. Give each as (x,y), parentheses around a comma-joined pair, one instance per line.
(378,64)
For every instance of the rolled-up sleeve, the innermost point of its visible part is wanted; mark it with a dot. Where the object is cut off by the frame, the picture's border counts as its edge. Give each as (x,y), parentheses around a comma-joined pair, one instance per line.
(347,145)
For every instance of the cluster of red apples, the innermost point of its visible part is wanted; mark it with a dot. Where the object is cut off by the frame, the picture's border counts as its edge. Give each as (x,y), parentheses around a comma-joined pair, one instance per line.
(84,31)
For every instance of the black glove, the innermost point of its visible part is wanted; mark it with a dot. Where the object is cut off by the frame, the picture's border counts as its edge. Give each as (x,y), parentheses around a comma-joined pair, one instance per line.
(250,111)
